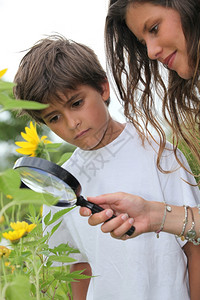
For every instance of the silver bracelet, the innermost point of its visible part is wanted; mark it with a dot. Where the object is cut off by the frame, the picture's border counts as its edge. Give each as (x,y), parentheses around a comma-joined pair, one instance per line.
(191,234)
(185,221)
(167,209)
(197,241)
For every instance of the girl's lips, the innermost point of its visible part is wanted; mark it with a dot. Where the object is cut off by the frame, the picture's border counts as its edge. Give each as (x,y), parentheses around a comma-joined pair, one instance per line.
(168,61)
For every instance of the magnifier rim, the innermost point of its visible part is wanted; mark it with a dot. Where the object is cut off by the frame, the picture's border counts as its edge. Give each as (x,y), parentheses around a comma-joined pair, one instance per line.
(49,167)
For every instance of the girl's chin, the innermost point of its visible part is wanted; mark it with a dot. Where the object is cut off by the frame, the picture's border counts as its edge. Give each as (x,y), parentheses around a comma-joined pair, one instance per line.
(186,74)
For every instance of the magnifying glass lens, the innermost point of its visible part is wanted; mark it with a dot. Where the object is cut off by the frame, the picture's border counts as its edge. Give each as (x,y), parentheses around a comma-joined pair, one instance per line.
(46,177)
(43,182)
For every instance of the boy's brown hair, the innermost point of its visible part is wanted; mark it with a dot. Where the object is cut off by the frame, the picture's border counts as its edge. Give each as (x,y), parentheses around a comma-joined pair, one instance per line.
(54,65)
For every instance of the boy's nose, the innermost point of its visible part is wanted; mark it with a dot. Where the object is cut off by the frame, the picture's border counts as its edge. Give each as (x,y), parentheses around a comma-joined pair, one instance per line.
(72,121)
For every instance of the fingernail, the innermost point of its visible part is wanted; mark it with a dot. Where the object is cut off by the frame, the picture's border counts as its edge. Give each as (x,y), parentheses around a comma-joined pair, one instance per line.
(131,221)
(124,217)
(86,213)
(109,213)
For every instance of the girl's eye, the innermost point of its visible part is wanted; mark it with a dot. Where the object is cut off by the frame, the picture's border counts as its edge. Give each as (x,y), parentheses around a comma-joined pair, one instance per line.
(154,29)
(77,103)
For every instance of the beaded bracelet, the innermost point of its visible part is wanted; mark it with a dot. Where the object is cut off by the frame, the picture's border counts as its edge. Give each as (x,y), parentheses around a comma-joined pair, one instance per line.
(169,209)
(185,221)
(191,234)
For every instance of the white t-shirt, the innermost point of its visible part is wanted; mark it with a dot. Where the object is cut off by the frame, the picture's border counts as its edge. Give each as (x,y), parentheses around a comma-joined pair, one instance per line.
(143,268)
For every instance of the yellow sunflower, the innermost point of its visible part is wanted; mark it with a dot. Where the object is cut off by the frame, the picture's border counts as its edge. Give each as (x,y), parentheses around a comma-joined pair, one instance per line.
(4,251)
(34,146)
(2,72)
(22,225)
(14,236)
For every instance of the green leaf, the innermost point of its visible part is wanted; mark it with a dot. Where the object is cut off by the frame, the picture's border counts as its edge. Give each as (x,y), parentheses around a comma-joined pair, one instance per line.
(61,258)
(9,181)
(20,104)
(49,264)
(36,242)
(59,214)
(32,211)
(63,248)
(52,146)
(64,158)
(19,289)
(26,254)
(47,218)
(71,276)
(44,252)
(55,227)
(27,196)
(6,86)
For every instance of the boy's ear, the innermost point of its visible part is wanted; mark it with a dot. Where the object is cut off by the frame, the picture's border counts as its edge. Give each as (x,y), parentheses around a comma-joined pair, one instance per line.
(106,90)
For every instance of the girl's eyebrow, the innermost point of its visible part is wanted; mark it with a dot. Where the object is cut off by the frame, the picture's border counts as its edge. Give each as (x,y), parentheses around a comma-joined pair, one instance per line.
(145,27)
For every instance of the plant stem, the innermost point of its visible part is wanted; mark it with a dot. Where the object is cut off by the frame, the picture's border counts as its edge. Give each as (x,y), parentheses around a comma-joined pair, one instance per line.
(2,205)
(12,203)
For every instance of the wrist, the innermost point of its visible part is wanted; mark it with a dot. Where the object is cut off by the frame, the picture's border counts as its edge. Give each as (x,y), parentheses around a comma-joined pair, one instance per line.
(156,212)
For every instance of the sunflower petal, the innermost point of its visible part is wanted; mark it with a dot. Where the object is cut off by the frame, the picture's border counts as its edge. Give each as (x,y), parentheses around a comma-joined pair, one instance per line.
(26,145)
(26,151)
(2,72)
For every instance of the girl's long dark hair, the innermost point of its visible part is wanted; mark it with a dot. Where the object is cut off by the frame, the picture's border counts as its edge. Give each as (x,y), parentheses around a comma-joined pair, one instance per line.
(137,78)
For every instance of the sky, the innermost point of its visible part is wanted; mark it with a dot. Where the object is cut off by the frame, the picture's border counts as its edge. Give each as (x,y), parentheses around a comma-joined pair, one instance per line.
(24,22)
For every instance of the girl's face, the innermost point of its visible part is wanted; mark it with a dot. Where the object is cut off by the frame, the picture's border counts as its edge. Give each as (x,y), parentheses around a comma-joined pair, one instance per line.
(160,30)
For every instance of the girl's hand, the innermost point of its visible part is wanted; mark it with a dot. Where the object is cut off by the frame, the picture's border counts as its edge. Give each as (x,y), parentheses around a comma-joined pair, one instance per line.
(129,209)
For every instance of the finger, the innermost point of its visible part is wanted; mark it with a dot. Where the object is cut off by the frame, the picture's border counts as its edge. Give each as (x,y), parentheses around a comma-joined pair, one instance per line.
(106,198)
(85,212)
(120,231)
(100,217)
(114,223)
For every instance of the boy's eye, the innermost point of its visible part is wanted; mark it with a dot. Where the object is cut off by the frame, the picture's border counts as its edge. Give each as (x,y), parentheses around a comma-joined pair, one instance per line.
(54,119)
(77,103)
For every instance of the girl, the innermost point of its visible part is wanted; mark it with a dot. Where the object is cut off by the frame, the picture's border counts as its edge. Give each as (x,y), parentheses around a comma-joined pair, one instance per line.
(141,37)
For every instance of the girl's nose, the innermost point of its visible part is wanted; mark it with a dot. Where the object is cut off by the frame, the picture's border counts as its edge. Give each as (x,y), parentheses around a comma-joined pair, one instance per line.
(153,49)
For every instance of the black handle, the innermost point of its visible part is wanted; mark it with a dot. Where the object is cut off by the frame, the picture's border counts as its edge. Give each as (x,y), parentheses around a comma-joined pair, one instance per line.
(95,209)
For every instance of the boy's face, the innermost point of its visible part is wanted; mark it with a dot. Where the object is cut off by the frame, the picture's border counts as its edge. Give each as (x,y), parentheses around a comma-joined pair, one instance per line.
(82,118)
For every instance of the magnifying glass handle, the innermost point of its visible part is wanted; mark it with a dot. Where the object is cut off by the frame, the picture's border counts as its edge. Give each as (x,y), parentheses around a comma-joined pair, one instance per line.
(95,209)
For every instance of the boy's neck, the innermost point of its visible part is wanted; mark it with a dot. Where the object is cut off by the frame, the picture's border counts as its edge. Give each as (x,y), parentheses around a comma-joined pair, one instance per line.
(114,129)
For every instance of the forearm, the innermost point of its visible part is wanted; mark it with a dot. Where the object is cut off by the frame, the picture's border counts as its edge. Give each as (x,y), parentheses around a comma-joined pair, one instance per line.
(144,215)
(80,288)
(193,257)
(174,220)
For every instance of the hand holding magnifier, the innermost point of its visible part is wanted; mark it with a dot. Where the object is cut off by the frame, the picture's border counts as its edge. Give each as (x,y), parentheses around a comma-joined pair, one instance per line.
(44,176)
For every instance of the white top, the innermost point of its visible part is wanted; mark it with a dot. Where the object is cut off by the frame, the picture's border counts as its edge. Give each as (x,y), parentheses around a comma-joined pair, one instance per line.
(143,268)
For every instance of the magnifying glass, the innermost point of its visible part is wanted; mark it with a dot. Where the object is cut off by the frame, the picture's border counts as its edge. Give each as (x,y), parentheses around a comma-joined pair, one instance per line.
(44,176)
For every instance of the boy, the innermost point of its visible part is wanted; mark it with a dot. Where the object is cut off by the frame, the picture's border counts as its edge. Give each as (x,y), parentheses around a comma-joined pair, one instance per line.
(110,157)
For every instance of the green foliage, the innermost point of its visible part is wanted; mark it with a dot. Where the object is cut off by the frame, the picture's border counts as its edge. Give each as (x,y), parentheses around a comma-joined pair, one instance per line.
(10,124)
(28,271)
(195,168)
(7,101)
